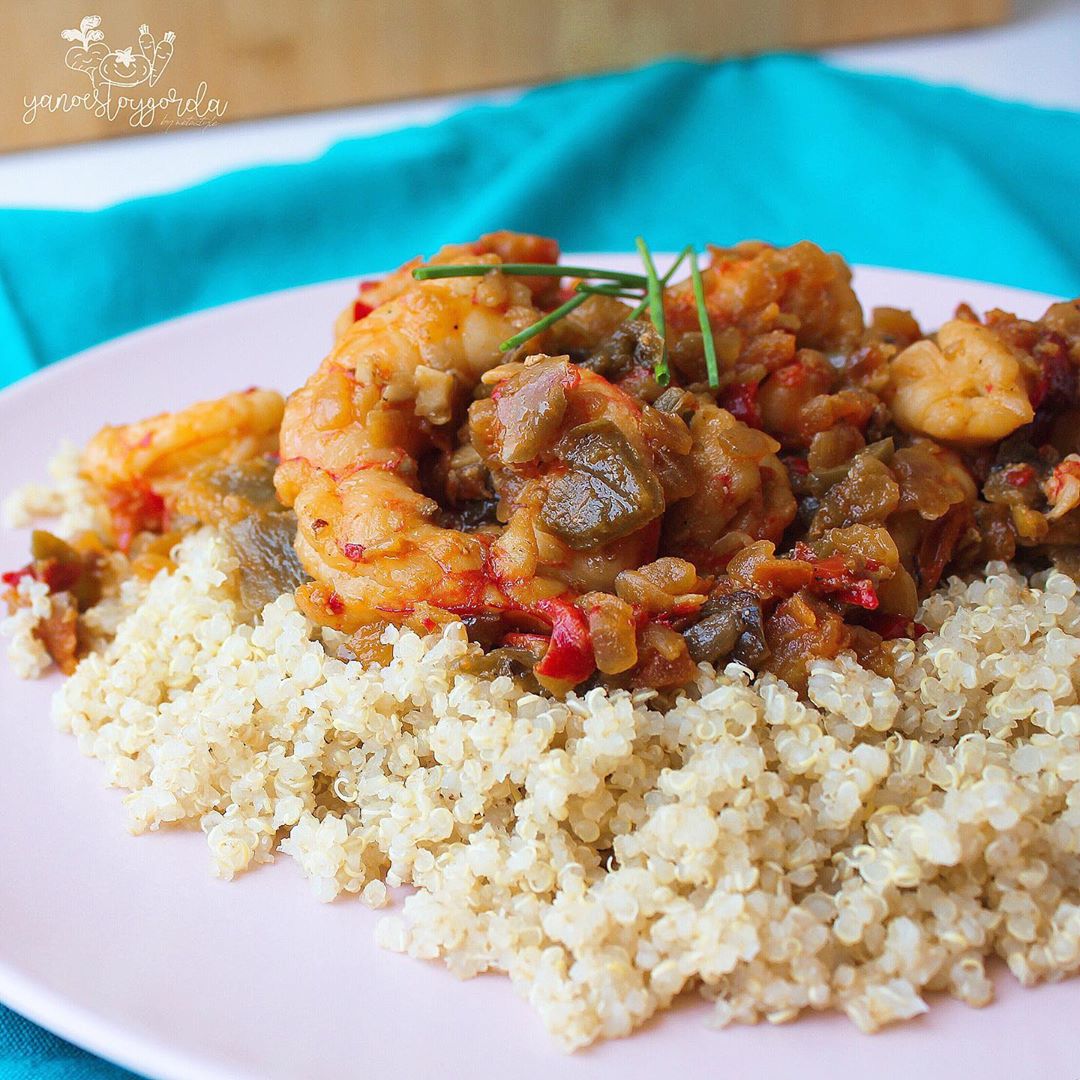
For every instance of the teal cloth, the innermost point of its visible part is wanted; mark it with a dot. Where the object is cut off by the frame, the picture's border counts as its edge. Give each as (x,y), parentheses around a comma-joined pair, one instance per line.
(885,170)
(28,1052)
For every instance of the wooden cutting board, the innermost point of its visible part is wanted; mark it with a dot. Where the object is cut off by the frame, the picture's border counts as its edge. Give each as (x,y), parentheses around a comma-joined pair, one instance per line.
(255,58)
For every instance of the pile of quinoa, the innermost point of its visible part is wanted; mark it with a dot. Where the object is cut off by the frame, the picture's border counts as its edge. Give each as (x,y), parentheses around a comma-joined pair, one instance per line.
(610,851)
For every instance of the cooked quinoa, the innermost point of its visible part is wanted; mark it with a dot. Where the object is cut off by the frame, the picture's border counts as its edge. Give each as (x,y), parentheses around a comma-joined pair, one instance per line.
(68,498)
(26,653)
(609,851)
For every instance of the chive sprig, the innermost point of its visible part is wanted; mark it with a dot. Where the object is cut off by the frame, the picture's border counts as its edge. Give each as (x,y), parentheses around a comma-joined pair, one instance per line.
(541,325)
(647,289)
(670,273)
(656,310)
(424,273)
(703,321)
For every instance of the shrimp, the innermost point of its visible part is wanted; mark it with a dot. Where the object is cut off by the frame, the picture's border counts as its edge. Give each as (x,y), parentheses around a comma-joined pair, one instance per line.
(1062,487)
(510,247)
(759,290)
(235,427)
(746,495)
(393,387)
(966,388)
(141,469)
(802,399)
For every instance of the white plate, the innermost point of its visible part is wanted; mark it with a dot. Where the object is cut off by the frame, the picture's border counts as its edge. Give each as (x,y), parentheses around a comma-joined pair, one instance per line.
(132,949)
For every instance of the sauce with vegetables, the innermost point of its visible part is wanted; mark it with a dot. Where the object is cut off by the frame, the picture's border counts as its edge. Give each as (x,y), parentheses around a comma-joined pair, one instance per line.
(801,503)
(765,476)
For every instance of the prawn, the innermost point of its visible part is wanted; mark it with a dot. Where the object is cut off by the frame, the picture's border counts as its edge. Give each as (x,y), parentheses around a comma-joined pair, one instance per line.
(391,389)
(509,246)
(758,289)
(966,388)
(140,469)
(1062,487)
(237,427)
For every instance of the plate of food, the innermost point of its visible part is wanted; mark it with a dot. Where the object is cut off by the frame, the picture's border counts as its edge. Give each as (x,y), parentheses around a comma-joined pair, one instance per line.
(574,660)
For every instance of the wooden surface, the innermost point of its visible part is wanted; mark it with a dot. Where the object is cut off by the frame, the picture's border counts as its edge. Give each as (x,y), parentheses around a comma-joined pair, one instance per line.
(266,57)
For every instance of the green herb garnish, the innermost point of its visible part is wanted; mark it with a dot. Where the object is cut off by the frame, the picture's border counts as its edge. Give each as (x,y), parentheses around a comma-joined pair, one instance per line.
(703,321)
(562,310)
(423,273)
(647,288)
(582,292)
(656,310)
(670,273)
(609,290)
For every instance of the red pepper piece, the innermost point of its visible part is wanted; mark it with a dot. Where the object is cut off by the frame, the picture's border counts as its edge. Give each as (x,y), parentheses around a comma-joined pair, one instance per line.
(57,575)
(890,627)
(740,399)
(860,594)
(136,508)
(1056,383)
(1019,475)
(831,575)
(569,657)
(13,577)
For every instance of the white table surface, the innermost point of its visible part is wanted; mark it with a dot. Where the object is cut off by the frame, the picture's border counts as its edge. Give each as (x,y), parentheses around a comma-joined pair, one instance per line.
(1035,58)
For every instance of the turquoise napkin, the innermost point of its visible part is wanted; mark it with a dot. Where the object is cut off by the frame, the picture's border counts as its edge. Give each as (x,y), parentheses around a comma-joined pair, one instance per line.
(885,170)
(28,1052)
